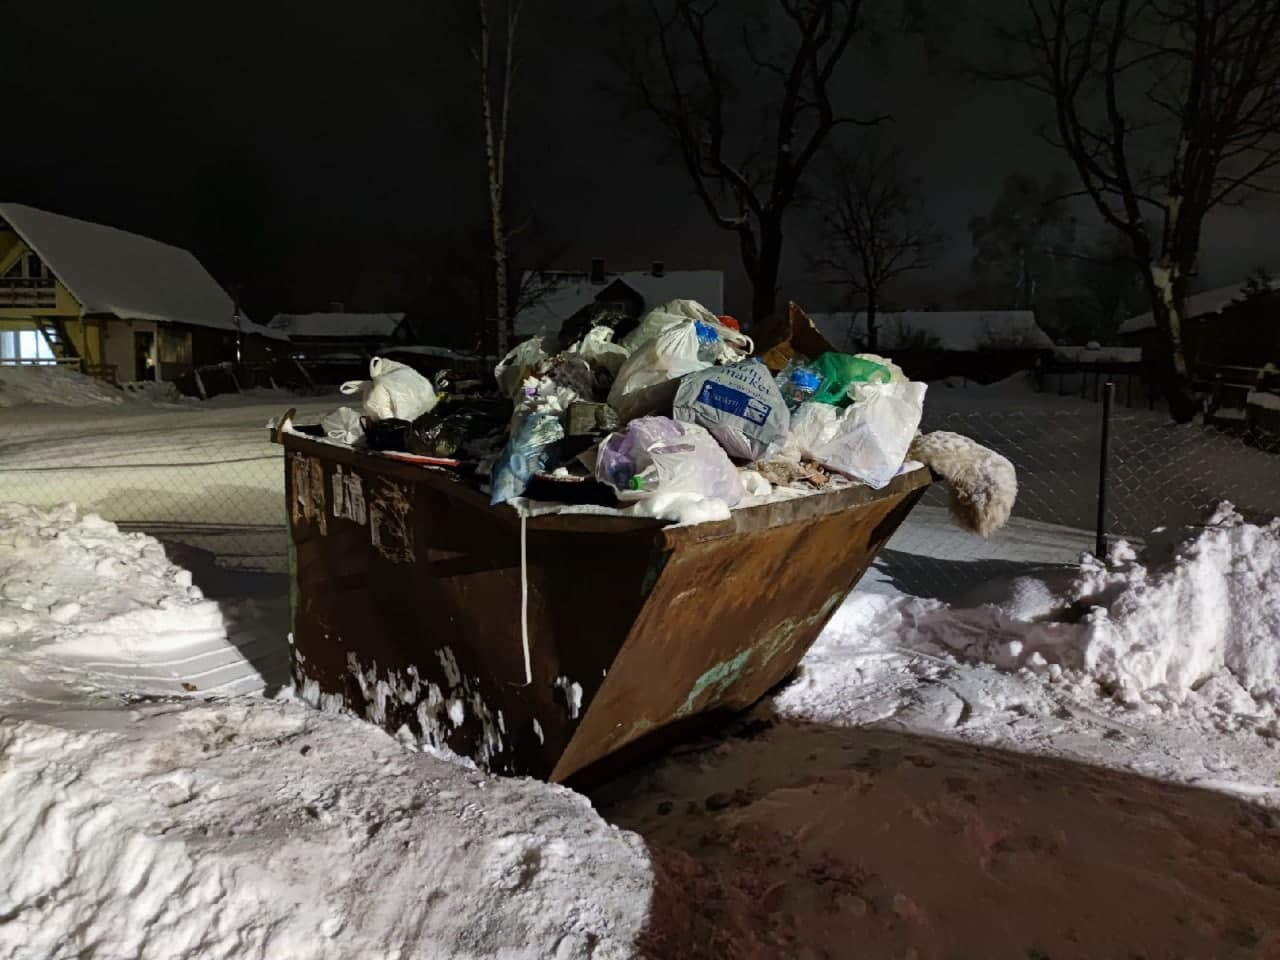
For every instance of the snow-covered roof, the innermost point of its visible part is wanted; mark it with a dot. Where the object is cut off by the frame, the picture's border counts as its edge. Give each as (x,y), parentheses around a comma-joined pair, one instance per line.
(114,272)
(959,330)
(336,326)
(1197,305)
(564,293)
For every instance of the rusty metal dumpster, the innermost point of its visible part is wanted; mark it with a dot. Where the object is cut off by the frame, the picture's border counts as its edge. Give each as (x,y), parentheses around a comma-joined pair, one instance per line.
(412,599)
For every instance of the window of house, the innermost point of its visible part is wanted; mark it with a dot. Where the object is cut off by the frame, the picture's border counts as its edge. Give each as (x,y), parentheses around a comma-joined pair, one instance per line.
(174,346)
(24,346)
(14,270)
(35,267)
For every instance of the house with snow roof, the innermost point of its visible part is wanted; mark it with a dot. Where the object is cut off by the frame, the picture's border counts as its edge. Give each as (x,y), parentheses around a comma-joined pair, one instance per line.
(114,304)
(558,298)
(1238,324)
(338,335)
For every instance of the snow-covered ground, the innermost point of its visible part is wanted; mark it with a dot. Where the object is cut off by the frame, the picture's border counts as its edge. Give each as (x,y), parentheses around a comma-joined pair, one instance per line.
(933,767)
(200,474)
(995,750)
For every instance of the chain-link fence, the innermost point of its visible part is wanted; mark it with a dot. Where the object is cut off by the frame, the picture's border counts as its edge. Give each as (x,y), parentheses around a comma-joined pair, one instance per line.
(1159,475)
(209,482)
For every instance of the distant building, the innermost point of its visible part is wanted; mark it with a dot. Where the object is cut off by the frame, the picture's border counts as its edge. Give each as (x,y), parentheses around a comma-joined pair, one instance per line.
(1203,304)
(113,304)
(560,297)
(1221,326)
(338,335)
(954,331)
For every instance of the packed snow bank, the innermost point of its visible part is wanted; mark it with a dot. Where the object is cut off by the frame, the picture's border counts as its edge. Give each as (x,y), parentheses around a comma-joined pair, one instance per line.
(1197,621)
(81,599)
(246,828)
(251,829)
(1194,626)
(29,385)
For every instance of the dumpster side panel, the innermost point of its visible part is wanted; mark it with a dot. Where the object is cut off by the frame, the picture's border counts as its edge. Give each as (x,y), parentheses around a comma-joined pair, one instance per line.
(728,620)
(408,610)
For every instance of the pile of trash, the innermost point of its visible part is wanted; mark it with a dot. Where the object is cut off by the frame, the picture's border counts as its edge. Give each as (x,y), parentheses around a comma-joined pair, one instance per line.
(677,415)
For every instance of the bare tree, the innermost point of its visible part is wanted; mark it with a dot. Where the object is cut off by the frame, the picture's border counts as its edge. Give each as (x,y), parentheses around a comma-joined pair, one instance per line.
(746,150)
(871,230)
(1194,82)
(496,76)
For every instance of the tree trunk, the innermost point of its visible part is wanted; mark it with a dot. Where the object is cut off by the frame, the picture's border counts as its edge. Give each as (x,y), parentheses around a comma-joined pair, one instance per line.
(1164,281)
(873,334)
(494,150)
(764,274)
(501,306)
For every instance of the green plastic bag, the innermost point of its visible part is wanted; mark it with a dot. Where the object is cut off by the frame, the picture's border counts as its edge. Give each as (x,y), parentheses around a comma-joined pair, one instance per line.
(839,370)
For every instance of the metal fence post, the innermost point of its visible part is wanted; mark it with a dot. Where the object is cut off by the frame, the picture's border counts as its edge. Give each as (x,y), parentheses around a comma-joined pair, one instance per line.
(1104,463)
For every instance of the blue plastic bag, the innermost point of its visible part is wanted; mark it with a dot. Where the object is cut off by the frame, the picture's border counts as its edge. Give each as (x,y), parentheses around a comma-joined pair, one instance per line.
(525,454)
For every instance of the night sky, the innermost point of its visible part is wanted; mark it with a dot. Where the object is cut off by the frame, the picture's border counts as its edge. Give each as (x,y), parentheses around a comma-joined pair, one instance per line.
(318,151)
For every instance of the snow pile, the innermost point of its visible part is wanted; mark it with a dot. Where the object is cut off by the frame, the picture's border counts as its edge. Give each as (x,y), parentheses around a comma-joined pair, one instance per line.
(251,829)
(79,596)
(29,385)
(1263,400)
(1194,628)
(158,392)
(165,827)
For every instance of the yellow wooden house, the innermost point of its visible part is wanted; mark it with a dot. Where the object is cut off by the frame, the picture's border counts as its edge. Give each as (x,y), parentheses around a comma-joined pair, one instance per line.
(114,304)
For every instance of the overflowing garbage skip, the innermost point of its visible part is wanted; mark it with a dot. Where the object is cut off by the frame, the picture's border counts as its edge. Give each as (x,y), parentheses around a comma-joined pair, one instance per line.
(618,536)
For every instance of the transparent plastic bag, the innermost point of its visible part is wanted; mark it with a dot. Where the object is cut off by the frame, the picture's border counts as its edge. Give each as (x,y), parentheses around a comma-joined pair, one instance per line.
(527,452)
(343,425)
(518,365)
(657,454)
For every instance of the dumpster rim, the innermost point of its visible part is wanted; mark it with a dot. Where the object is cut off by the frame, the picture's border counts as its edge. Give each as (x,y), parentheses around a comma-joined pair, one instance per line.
(742,520)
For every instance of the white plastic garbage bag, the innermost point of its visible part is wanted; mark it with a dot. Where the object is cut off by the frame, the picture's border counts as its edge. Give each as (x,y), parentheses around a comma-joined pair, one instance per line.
(868,440)
(512,371)
(813,426)
(660,318)
(393,392)
(343,425)
(598,348)
(669,356)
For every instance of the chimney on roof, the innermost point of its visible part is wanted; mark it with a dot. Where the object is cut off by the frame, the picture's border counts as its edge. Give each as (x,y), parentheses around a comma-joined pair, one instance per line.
(597,269)
(659,268)
(337,306)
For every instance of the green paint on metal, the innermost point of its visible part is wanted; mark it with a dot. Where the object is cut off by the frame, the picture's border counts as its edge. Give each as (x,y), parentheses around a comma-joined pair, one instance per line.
(725,674)
(716,681)
(777,639)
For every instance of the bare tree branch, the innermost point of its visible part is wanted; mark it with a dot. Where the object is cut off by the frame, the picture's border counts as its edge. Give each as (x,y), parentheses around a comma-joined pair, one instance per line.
(1200,79)
(748,151)
(871,230)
